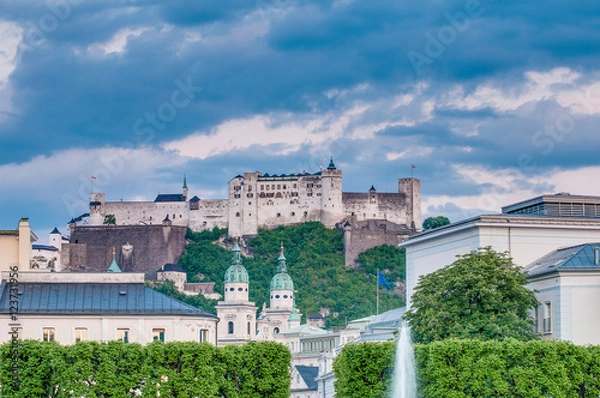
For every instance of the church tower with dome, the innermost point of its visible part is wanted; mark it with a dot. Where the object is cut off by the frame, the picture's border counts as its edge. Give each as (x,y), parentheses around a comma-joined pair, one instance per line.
(237,323)
(282,313)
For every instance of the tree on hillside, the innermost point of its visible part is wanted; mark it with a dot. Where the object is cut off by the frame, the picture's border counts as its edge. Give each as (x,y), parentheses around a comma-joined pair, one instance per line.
(110,219)
(481,295)
(387,258)
(315,262)
(435,222)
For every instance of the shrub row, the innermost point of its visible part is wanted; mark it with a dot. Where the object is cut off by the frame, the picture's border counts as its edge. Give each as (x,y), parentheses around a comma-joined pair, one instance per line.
(117,369)
(473,368)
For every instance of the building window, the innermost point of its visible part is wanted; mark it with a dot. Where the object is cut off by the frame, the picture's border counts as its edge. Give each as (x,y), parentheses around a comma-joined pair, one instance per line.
(276,331)
(203,335)
(547,317)
(158,335)
(48,334)
(123,335)
(237,214)
(230,327)
(80,334)
(248,332)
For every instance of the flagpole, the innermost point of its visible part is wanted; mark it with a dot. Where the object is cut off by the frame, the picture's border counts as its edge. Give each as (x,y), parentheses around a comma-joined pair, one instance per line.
(377,281)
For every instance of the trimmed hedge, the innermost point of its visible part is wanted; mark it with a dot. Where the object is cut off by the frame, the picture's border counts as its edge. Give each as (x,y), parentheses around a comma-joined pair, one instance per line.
(116,369)
(472,368)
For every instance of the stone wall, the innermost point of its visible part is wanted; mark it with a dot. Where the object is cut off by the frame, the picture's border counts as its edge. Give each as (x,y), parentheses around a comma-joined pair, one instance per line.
(373,206)
(152,246)
(362,235)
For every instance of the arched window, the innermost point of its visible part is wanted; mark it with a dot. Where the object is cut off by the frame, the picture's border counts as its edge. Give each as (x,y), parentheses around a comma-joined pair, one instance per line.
(230,327)
(276,331)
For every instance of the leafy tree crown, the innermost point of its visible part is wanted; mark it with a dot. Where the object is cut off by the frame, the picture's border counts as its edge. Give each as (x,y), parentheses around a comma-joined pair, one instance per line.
(482,295)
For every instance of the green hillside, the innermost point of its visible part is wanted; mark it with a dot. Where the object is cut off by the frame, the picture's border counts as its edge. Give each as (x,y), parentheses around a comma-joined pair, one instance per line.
(315,263)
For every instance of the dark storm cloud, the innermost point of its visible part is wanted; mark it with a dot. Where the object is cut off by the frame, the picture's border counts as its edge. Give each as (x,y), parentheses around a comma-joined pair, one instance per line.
(303,60)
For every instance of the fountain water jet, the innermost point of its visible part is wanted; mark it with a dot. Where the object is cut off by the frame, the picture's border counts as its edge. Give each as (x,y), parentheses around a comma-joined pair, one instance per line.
(405,381)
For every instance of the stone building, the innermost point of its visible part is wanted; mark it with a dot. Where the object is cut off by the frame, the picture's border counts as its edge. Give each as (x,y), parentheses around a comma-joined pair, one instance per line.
(257,200)
(139,248)
(101,306)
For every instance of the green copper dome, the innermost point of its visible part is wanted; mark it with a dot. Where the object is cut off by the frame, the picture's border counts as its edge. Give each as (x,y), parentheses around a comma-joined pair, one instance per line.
(281,280)
(114,267)
(295,315)
(236,271)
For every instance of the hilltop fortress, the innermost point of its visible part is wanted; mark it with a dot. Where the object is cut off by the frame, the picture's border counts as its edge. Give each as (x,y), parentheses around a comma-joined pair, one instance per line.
(148,235)
(259,200)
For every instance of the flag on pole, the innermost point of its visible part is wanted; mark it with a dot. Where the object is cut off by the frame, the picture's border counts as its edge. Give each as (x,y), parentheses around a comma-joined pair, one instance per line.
(412,166)
(93,177)
(381,281)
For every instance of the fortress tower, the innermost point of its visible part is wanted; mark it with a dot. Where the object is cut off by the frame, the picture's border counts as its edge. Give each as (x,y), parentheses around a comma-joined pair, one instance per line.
(97,213)
(411,187)
(332,207)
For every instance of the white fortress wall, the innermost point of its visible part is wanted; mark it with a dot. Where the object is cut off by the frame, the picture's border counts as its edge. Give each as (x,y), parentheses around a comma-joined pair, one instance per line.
(366,206)
(132,213)
(210,213)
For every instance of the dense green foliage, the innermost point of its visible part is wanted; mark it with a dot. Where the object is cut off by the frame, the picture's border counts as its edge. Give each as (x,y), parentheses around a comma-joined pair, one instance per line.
(387,258)
(364,370)
(117,369)
(435,222)
(473,368)
(315,263)
(198,301)
(481,295)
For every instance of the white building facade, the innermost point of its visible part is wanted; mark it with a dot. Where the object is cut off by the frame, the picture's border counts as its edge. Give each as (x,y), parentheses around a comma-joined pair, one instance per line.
(567,285)
(72,307)
(525,236)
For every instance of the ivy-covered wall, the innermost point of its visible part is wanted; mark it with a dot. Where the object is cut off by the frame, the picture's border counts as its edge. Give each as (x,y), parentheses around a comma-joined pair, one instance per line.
(471,368)
(116,369)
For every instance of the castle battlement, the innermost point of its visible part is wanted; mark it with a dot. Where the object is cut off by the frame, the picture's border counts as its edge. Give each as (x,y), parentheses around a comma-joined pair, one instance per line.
(257,200)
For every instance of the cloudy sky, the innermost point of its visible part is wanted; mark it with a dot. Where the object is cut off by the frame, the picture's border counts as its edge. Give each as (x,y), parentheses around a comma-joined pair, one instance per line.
(493,101)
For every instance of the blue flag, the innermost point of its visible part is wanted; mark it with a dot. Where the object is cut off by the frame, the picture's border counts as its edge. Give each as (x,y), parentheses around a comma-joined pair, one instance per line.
(382,282)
